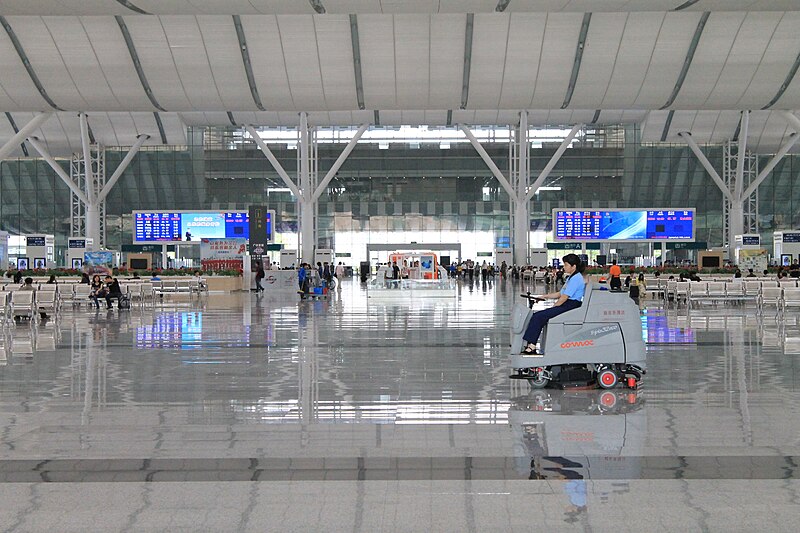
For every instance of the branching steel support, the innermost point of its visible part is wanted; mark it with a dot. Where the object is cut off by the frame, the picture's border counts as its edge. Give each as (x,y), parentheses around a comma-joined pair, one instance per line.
(739,197)
(24,132)
(520,197)
(339,161)
(553,160)
(308,192)
(39,147)
(274,161)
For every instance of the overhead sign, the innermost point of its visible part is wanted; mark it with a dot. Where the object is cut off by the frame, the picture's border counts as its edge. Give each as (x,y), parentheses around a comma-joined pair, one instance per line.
(36,241)
(188,226)
(146,248)
(77,243)
(696,245)
(630,225)
(261,221)
(571,246)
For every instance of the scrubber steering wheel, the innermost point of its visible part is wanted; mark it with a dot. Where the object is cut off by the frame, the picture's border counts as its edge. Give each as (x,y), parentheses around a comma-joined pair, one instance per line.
(532,299)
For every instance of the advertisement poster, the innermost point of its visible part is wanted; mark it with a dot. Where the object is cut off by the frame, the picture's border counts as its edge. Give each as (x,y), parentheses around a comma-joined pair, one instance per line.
(98,262)
(426,266)
(222,254)
(756,259)
(196,226)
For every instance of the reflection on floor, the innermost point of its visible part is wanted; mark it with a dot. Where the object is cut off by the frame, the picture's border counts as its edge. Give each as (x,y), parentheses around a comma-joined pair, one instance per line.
(381,415)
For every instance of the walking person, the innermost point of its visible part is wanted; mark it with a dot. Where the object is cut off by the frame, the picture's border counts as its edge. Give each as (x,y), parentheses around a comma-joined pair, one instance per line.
(327,273)
(259,276)
(339,275)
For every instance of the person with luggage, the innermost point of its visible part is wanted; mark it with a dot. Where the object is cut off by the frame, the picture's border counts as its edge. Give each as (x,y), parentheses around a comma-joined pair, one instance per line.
(302,279)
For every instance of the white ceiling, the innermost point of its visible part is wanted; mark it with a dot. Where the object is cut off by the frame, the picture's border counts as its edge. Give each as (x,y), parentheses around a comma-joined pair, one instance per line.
(304,7)
(412,64)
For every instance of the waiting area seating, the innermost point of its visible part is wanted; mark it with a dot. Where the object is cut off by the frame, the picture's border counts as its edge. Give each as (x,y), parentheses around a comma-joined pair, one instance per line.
(762,292)
(178,286)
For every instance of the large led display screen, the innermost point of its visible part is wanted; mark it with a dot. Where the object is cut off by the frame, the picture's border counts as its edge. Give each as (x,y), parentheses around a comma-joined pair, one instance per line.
(624,225)
(189,226)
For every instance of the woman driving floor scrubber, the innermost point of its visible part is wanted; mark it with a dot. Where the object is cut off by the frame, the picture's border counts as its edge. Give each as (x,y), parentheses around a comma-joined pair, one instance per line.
(570,297)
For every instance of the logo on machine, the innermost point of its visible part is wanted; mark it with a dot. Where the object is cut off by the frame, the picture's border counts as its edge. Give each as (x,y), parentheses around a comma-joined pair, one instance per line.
(270,279)
(603,331)
(577,344)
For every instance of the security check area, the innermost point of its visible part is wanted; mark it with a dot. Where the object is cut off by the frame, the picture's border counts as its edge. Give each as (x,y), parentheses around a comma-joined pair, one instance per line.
(424,265)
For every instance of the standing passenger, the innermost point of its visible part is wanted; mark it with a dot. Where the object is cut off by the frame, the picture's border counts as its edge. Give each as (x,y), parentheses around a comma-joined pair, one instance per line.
(615,283)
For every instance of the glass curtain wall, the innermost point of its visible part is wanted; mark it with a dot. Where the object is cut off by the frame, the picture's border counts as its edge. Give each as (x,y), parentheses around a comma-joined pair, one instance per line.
(396,193)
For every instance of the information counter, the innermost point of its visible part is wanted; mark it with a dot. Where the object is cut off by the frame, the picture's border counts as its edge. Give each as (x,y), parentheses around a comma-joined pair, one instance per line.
(280,282)
(222,283)
(380,287)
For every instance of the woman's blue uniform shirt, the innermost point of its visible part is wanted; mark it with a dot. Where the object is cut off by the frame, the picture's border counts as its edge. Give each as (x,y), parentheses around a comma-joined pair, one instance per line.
(574,287)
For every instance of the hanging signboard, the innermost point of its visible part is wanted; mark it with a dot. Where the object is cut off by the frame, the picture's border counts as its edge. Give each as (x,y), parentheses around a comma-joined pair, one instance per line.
(188,226)
(222,248)
(632,225)
(571,245)
(262,224)
(222,254)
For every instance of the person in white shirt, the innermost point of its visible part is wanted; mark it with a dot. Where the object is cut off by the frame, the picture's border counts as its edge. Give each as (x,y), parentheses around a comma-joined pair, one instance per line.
(339,273)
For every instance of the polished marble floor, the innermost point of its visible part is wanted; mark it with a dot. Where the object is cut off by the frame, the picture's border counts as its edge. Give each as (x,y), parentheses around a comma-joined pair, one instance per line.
(245,413)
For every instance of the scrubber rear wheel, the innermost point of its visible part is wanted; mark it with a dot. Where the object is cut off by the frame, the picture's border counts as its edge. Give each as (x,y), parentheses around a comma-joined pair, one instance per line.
(607,378)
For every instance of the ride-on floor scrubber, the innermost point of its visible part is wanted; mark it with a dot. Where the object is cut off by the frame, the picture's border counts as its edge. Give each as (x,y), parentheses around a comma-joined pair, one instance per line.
(601,339)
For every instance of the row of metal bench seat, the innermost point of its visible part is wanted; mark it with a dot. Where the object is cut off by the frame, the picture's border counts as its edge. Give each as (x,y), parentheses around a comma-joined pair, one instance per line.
(782,295)
(28,304)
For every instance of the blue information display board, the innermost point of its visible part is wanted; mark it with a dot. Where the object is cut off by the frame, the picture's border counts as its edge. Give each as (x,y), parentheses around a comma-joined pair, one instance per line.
(189,226)
(624,225)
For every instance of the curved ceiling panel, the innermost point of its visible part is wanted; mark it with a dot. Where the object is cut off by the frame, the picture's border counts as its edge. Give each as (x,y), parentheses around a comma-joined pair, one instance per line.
(225,60)
(158,63)
(304,62)
(556,60)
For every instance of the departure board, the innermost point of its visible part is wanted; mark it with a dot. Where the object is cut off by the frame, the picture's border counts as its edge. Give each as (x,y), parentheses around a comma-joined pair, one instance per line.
(150,227)
(624,225)
(188,226)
